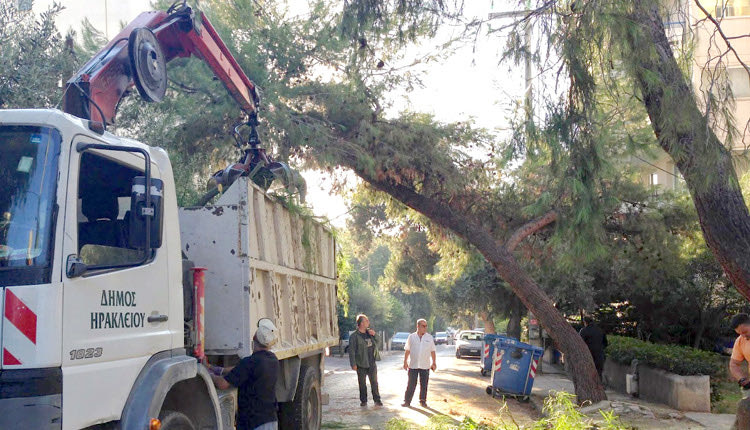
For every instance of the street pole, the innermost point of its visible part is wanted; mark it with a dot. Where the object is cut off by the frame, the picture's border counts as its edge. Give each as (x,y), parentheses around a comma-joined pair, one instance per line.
(528,103)
(529,88)
(528,94)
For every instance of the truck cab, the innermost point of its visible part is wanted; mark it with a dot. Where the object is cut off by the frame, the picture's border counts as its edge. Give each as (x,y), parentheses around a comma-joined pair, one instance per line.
(85,306)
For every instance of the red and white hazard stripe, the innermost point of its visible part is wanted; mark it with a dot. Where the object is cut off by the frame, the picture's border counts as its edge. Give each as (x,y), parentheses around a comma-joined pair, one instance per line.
(486,351)
(497,360)
(532,368)
(19,327)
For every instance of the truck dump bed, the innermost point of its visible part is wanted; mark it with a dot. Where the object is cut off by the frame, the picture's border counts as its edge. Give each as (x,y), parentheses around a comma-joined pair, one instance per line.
(262,261)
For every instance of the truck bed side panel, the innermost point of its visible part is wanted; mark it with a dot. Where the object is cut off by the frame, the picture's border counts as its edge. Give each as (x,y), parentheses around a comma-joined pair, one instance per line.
(263,261)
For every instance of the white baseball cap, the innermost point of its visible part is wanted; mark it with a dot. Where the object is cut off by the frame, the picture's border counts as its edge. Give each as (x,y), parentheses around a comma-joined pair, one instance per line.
(266,333)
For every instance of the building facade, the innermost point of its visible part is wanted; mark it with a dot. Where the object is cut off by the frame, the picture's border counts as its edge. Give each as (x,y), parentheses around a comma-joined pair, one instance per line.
(714,69)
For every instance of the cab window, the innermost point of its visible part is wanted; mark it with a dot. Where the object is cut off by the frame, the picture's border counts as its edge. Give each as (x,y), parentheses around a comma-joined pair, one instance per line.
(104,190)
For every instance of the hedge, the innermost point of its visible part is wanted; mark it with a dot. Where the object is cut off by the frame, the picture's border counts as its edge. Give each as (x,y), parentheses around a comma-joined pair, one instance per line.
(682,360)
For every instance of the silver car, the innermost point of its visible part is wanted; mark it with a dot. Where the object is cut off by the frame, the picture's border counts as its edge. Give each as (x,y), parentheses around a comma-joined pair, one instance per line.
(398,341)
(469,343)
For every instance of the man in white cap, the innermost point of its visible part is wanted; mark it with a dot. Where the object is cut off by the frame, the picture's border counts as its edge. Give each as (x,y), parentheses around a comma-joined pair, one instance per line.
(255,378)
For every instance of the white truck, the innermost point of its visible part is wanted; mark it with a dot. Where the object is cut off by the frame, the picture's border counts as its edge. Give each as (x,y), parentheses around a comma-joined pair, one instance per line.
(101,326)
(98,330)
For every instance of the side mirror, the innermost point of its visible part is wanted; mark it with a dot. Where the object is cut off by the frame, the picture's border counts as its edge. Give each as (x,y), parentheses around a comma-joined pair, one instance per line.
(75,267)
(140,213)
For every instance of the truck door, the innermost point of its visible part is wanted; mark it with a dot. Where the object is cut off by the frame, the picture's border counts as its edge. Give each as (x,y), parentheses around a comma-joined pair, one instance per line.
(115,313)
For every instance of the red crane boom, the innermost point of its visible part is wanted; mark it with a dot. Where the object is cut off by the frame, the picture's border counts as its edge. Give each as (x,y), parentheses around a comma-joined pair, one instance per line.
(138,56)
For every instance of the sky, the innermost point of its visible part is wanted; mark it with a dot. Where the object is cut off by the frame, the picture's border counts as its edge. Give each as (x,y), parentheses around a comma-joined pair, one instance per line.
(468,85)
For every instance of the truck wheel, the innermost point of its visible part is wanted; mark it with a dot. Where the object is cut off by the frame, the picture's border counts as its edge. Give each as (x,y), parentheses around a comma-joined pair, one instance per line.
(305,411)
(173,420)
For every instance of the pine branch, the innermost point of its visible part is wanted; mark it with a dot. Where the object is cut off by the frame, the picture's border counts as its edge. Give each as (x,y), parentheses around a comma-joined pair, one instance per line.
(723,36)
(530,228)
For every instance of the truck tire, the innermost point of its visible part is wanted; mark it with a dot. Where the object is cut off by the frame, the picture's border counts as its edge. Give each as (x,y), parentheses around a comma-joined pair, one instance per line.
(173,420)
(305,411)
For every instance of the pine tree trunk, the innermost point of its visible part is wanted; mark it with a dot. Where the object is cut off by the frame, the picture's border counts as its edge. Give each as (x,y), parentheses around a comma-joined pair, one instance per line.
(585,378)
(489,324)
(588,387)
(514,320)
(683,132)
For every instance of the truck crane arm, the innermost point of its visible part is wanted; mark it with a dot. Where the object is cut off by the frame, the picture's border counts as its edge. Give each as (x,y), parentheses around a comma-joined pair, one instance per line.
(138,56)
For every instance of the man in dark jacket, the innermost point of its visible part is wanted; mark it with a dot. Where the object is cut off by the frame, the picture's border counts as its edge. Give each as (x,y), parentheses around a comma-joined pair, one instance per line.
(596,340)
(255,378)
(363,348)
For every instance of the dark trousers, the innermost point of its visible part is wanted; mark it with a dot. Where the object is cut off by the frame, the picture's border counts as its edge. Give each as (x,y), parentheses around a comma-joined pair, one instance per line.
(372,373)
(424,377)
(599,363)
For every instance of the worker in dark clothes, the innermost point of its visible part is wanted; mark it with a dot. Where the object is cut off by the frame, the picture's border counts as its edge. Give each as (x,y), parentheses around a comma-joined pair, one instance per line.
(255,378)
(596,340)
(363,352)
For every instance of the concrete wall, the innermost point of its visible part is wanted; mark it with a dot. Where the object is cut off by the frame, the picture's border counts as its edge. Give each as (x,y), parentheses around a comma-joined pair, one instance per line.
(684,393)
(614,375)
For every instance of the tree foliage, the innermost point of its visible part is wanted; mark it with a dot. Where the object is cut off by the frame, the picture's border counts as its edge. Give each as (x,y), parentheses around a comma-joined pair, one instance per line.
(34,58)
(598,42)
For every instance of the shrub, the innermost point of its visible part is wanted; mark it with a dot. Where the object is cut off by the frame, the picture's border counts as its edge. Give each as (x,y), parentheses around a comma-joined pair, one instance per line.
(562,414)
(682,360)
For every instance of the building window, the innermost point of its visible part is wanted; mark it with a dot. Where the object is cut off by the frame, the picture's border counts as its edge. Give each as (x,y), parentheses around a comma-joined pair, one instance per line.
(23,5)
(653,179)
(732,8)
(739,80)
(720,79)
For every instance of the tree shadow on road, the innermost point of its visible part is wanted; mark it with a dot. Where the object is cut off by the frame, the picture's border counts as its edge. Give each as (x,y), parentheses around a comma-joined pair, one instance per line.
(429,412)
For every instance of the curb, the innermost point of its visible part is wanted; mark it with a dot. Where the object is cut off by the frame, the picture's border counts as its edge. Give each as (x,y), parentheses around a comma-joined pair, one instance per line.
(537,402)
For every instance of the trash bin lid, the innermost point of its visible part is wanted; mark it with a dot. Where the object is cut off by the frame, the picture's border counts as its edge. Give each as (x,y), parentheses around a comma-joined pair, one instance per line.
(512,343)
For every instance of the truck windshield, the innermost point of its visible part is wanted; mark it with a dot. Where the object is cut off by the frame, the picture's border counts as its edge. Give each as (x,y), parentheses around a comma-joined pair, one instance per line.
(28,178)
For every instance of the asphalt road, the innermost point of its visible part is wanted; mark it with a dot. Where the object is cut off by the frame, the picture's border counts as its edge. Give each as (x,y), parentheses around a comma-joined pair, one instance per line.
(456,390)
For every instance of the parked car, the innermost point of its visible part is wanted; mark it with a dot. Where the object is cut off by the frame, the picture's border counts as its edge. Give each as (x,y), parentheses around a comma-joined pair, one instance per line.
(345,341)
(441,338)
(469,344)
(398,341)
(343,346)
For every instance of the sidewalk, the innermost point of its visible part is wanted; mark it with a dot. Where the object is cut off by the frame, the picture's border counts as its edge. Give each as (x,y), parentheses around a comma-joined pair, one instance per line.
(632,411)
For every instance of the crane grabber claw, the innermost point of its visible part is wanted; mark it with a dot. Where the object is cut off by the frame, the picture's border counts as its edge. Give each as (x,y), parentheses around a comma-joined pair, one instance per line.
(256,164)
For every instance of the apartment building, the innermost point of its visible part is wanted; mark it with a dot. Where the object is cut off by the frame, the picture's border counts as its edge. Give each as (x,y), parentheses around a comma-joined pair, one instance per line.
(687,25)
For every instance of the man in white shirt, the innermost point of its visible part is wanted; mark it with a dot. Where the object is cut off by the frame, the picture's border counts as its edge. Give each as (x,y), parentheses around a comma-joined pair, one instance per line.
(420,346)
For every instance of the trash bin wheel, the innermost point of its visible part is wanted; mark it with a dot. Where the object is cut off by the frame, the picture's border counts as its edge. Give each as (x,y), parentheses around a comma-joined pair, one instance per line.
(524,399)
(489,390)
